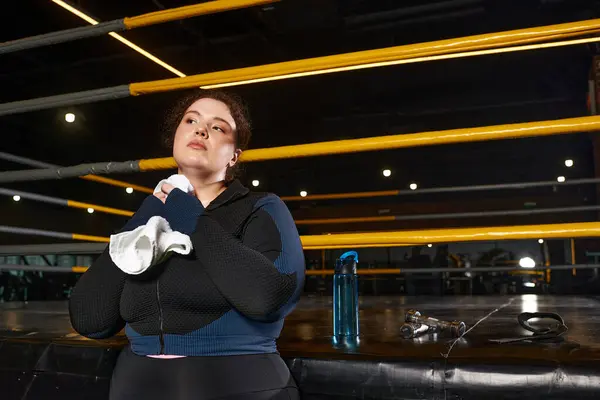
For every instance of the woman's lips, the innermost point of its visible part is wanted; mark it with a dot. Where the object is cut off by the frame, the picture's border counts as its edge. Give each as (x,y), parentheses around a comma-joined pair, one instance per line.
(197,145)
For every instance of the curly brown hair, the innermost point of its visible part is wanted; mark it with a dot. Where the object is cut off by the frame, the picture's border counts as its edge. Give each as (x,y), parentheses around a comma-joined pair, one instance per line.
(237,108)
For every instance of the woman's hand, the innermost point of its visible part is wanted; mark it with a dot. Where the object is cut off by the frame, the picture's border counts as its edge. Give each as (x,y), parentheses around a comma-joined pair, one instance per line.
(165,189)
(182,211)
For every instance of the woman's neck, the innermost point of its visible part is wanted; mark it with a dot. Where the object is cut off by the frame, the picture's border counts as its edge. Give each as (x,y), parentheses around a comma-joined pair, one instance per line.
(206,188)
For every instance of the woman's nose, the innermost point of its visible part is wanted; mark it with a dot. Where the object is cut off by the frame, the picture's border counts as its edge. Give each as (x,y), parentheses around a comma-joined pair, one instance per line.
(202,132)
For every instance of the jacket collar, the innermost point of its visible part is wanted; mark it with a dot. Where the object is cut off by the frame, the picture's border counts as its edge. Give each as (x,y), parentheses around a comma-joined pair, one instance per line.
(234,190)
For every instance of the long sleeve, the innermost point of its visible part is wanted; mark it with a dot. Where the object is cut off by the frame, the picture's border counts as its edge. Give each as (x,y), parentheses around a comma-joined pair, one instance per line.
(262,275)
(95,300)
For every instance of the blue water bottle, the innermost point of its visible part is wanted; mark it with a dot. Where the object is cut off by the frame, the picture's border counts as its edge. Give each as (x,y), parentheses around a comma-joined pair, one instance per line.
(345,298)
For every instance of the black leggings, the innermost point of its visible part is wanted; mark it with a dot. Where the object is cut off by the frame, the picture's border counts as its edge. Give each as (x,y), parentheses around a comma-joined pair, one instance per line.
(248,377)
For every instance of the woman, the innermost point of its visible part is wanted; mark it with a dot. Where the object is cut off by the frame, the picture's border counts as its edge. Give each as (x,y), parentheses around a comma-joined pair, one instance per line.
(202,326)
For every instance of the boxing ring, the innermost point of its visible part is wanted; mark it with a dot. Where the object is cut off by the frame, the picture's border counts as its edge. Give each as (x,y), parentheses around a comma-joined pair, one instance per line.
(63,364)
(42,357)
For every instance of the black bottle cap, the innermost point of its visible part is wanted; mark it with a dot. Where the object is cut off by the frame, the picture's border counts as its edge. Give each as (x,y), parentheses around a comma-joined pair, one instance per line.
(345,266)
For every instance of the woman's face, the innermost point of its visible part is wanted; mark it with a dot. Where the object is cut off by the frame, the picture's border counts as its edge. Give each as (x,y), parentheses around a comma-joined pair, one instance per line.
(205,139)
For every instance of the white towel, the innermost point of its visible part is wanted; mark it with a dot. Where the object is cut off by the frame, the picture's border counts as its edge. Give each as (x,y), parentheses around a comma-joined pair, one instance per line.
(147,245)
(179,181)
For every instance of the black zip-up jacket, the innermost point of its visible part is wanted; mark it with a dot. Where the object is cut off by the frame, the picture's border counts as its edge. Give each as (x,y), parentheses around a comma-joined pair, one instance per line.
(228,297)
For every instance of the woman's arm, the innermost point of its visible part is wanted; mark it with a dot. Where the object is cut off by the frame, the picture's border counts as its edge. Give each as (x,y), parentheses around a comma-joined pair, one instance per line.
(261,275)
(95,300)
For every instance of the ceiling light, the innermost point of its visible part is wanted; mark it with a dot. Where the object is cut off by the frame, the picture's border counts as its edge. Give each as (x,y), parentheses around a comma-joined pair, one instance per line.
(303,193)
(90,210)
(430,245)
(387,173)
(129,190)
(120,38)
(17,197)
(413,186)
(541,241)
(527,262)
(561,179)
(70,117)
(568,163)
(255,183)
(75,11)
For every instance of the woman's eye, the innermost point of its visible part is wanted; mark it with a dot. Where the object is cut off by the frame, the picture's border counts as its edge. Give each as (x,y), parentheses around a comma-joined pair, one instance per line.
(218,128)
(191,121)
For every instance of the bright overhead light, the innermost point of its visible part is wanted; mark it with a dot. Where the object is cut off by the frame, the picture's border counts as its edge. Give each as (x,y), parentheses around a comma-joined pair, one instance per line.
(413,186)
(387,173)
(568,163)
(527,262)
(430,245)
(255,183)
(147,54)
(541,241)
(70,117)
(129,190)
(120,38)
(17,197)
(90,210)
(529,284)
(75,11)
(303,193)
(561,179)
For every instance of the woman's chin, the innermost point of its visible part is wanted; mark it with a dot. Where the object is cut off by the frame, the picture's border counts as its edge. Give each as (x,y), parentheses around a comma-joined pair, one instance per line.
(192,159)
(192,167)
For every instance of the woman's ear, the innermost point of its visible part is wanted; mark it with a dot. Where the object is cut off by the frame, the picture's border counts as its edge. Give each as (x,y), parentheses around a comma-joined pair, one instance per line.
(236,156)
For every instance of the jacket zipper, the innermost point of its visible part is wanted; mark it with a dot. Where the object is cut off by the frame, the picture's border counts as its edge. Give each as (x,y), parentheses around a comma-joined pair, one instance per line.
(160,316)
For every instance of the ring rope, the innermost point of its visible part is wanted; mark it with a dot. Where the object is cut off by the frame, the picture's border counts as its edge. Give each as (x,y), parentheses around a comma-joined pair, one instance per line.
(438,216)
(39,164)
(408,238)
(463,135)
(449,48)
(345,220)
(127,23)
(447,189)
(374,271)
